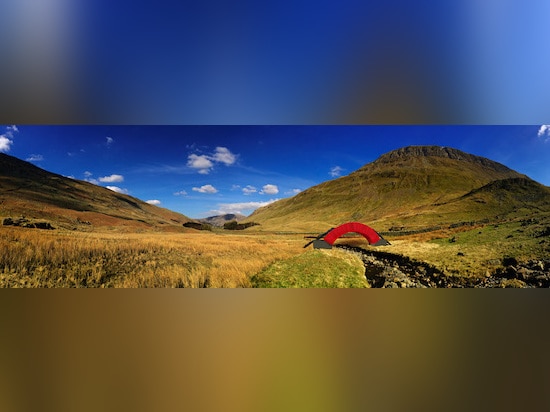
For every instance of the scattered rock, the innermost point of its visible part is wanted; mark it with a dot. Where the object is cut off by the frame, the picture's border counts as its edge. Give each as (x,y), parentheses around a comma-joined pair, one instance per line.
(24,222)
(389,270)
(43,225)
(509,261)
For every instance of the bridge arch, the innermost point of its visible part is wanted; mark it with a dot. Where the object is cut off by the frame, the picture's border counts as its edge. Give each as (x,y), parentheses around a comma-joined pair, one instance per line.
(367,232)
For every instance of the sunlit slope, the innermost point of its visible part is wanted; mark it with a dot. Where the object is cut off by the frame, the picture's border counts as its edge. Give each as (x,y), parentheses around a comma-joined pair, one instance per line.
(36,193)
(415,186)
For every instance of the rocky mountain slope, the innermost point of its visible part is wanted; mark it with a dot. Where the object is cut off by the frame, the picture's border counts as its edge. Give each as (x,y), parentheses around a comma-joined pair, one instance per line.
(220,220)
(27,190)
(411,188)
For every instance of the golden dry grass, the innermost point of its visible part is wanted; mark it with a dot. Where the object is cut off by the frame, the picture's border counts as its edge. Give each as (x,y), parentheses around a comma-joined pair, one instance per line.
(34,258)
(61,258)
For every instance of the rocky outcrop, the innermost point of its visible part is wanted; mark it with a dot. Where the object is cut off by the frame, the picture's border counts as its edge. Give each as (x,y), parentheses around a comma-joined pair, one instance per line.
(24,222)
(534,273)
(442,151)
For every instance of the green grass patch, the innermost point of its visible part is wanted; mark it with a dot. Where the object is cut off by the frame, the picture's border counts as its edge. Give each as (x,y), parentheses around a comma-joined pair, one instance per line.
(314,269)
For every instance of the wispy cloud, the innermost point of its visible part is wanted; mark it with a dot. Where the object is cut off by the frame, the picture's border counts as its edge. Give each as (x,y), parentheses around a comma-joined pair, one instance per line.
(269,190)
(293,192)
(154,202)
(544,133)
(118,189)
(336,171)
(112,179)
(204,163)
(206,189)
(241,207)
(88,178)
(35,158)
(248,190)
(180,193)
(109,140)
(6,139)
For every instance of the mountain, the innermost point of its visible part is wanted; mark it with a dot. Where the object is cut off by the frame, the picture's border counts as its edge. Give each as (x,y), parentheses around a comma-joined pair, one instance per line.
(413,187)
(27,190)
(220,220)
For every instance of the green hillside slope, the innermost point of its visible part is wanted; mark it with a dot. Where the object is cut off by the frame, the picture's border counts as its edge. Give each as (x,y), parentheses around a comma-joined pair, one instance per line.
(415,186)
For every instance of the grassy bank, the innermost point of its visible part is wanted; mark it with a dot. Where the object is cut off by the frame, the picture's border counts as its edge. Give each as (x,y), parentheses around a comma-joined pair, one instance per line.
(314,269)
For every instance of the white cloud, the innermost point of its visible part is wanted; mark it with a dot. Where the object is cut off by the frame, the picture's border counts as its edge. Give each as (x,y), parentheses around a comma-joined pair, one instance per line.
(202,163)
(206,189)
(154,202)
(6,138)
(336,171)
(293,192)
(180,193)
(269,190)
(5,143)
(243,207)
(112,179)
(544,132)
(223,155)
(118,189)
(248,190)
(110,140)
(88,178)
(35,158)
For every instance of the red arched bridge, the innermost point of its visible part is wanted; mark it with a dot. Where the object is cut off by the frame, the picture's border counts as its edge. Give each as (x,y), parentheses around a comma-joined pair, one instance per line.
(327,239)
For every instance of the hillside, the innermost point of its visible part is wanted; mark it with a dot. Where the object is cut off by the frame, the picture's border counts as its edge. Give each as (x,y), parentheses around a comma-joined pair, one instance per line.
(27,190)
(412,187)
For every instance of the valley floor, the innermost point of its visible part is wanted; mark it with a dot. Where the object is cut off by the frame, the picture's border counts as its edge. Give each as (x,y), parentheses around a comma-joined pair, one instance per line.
(507,254)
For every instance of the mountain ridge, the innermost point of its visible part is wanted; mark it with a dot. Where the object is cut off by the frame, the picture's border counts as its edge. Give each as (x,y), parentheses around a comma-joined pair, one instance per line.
(31,191)
(412,186)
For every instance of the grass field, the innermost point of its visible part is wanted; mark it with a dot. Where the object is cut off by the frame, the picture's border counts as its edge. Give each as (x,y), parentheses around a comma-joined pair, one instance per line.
(39,258)
(474,251)
(35,258)
(314,269)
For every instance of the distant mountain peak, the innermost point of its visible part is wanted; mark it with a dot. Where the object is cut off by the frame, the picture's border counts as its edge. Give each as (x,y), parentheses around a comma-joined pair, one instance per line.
(220,220)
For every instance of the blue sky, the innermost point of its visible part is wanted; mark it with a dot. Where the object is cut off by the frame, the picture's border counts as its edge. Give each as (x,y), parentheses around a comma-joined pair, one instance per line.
(204,170)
